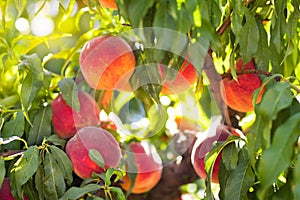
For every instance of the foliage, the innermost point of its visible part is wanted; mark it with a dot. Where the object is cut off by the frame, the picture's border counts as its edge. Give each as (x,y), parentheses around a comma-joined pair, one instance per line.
(34,68)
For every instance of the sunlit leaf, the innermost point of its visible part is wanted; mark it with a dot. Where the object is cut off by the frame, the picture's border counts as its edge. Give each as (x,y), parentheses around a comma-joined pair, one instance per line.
(96,156)
(278,157)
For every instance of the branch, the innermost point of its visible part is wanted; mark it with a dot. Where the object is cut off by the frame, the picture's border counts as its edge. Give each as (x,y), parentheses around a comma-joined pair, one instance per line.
(246,71)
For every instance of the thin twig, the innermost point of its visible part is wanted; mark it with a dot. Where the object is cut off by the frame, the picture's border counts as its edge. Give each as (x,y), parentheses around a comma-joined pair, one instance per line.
(246,71)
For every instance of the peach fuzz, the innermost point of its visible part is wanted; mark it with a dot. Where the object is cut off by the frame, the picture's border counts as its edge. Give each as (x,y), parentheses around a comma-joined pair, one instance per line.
(66,121)
(5,190)
(238,94)
(148,167)
(201,147)
(107,63)
(185,78)
(88,138)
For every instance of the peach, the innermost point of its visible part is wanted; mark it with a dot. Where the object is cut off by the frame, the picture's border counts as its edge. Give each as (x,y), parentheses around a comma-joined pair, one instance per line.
(66,121)
(5,191)
(185,78)
(88,138)
(109,4)
(238,94)
(201,147)
(107,63)
(148,167)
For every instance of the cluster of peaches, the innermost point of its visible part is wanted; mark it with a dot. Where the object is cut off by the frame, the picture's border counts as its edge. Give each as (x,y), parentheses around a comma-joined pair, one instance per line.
(107,63)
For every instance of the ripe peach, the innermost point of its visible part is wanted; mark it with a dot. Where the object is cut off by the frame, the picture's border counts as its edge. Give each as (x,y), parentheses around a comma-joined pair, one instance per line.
(66,121)
(185,78)
(88,138)
(238,94)
(201,148)
(149,167)
(107,63)
(5,191)
(109,4)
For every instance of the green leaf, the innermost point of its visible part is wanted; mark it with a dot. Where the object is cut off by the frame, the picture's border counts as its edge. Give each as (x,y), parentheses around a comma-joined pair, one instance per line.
(109,173)
(41,126)
(75,192)
(54,180)
(29,90)
(26,166)
(119,192)
(24,169)
(54,139)
(158,117)
(296,176)
(263,53)
(240,179)
(280,96)
(39,180)
(63,162)
(278,157)
(14,127)
(237,16)
(230,156)
(2,171)
(20,5)
(96,156)
(249,38)
(69,92)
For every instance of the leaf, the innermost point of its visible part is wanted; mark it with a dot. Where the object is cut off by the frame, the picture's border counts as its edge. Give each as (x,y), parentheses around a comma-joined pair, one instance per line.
(119,192)
(24,169)
(230,156)
(54,139)
(296,177)
(158,117)
(109,173)
(14,127)
(20,5)
(249,38)
(63,162)
(29,90)
(280,96)
(75,192)
(263,53)
(69,92)
(278,157)
(39,180)
(96,156)
(2,171)
(237,16)
(26,166)
(240,179)
(54,180)
(41,126)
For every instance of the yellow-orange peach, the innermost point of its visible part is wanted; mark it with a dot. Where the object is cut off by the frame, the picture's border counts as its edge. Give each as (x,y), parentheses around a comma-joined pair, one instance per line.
(66,121)
(238,94)
(148,167)
(109,4)
(88,138)
(107,63)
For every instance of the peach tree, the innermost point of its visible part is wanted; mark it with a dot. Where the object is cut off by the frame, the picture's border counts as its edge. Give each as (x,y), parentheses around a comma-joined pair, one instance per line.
(150,99)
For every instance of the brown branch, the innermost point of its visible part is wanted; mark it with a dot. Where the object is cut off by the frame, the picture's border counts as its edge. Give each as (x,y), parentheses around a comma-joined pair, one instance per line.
(11,153)
(225,25)
(246,71)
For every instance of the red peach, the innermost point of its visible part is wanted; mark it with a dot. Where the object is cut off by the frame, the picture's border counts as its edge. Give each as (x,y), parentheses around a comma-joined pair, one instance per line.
(5,191)
(88,138)
(185,78)
(238,94)
(107,63)
(149,167)
(66,121)
(201,147)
